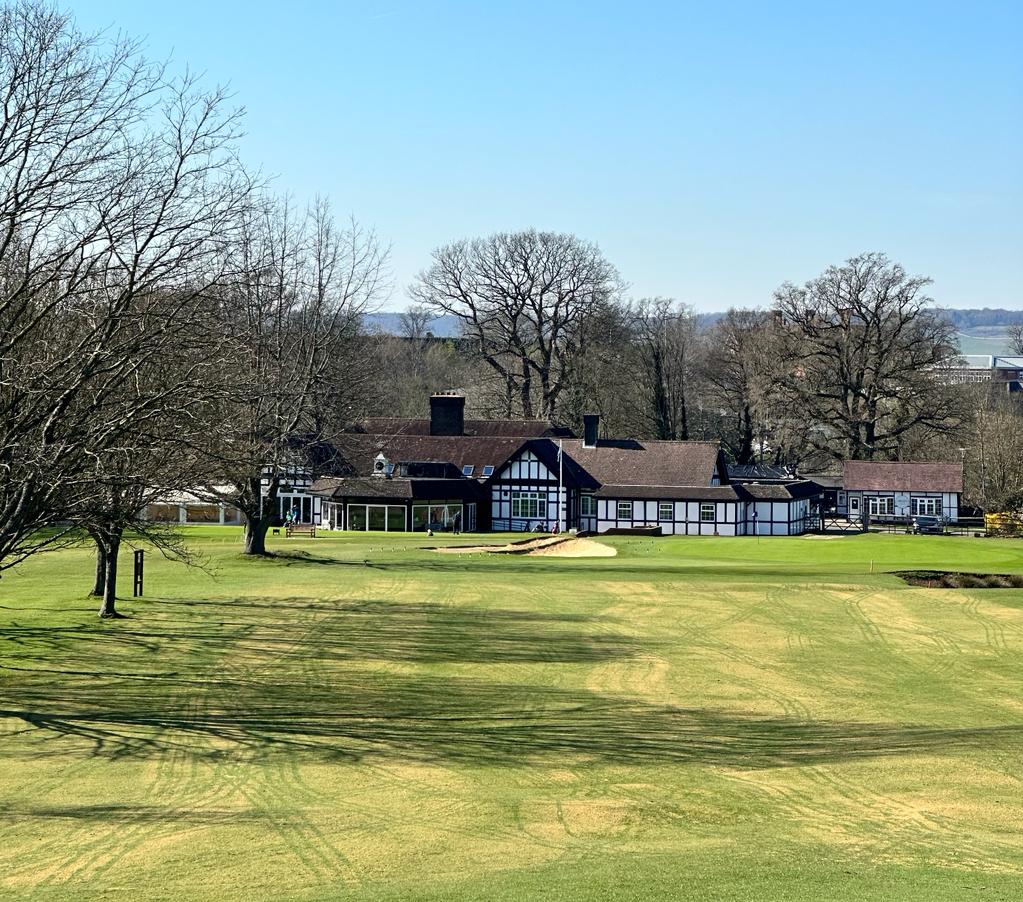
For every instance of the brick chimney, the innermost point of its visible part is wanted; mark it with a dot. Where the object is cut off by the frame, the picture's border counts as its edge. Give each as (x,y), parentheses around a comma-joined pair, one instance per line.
(591,429)
(447,413)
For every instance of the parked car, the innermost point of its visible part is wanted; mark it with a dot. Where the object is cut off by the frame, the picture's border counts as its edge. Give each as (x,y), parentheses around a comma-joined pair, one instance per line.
(925,524)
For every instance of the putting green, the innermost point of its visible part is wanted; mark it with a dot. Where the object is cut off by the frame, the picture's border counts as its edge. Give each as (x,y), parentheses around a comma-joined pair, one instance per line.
(360,718)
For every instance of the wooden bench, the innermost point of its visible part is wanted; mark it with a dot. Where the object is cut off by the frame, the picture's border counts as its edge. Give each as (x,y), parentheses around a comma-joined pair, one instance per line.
(300,529)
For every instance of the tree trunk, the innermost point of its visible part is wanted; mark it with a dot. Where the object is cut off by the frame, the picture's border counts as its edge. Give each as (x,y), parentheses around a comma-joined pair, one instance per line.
(101,570)
(113,545)
(683,415)
(744,454)
(255,535)
(526,392)
(259,512)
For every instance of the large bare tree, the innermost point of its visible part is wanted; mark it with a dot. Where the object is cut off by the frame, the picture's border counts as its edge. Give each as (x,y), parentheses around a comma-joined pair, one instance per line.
(864,350)
(291,317)
(118,187)
(523,297)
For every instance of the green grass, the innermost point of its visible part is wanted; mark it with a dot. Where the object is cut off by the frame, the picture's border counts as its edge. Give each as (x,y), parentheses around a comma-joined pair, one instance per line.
(362,719)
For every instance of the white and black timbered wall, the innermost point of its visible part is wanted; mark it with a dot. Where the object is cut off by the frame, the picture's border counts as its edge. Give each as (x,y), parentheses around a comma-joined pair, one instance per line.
(675,517)
(525,495)
(293,495)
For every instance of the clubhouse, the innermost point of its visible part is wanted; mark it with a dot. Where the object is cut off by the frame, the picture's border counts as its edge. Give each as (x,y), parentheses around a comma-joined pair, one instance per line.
(447,473)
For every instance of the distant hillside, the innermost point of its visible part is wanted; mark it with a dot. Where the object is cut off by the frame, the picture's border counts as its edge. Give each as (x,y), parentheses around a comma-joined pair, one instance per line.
(981,331)
(390,323)
(984,318)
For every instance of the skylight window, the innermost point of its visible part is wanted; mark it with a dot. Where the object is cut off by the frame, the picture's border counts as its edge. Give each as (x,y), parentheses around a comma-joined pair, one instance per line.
(389,469)
(467,470)
(488,471)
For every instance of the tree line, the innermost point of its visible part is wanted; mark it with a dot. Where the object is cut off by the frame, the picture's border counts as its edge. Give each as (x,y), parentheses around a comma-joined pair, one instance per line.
(856,363)
(168,323)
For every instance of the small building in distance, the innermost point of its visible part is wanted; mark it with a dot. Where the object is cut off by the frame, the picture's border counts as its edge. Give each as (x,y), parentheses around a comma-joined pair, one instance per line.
(897,490)
(1004,373)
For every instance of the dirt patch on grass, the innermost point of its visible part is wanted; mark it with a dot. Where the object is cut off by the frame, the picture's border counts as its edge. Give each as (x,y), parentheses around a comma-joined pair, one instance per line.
(949,579)
(559,546)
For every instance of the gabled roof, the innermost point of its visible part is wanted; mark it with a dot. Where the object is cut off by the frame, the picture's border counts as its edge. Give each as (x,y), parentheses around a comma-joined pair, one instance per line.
(888,476)
(629,462)
(357,451)
(472,428)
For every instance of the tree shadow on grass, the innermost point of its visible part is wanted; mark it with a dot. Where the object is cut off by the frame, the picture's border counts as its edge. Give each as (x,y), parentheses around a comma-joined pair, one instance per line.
(137,814)
(352,717)
(321,631)
(255,679)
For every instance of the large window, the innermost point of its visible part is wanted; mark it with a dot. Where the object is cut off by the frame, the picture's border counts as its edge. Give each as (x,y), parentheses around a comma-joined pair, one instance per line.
(624,510)
(927,506)
(587,506)
(881,507)
(529,505)
(376,517)
(707,513)
(666,511)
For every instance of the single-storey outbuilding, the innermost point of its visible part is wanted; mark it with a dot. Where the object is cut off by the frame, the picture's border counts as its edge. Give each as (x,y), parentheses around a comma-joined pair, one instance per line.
(900,490)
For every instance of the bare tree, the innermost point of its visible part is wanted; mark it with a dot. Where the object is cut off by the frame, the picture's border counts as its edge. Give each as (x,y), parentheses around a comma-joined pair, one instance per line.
(738,363)
(665,334)
(158,457)
(415,322)
(291,316)
(863,350)
(523,298)
(118,187)
(1016,338)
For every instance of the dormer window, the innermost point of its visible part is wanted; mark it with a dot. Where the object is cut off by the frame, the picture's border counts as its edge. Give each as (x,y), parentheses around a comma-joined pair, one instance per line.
(467,470)
(380,465)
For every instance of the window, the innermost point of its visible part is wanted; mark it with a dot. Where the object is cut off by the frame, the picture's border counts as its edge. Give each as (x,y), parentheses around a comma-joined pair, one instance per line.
(624,510)
(587,506)
(706,513)
(841,499)
(467,470)
(488,471)
(389,470)
(881,507)
(666,511)
(529,505)
(930,507)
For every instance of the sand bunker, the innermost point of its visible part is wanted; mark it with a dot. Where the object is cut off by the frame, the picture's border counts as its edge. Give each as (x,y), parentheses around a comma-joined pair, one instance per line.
(577,548)
(555,546)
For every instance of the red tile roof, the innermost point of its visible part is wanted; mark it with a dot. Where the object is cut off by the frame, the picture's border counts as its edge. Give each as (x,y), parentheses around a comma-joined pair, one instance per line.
(628,462)
(886,476)
(358,450)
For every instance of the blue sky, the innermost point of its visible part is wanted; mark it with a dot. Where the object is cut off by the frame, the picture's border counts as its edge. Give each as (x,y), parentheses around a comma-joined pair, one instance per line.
(712,150)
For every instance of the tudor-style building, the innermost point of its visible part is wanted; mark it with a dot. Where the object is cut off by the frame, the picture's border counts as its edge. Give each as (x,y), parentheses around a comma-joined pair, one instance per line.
(417,474)
(520,475)
(682,488)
